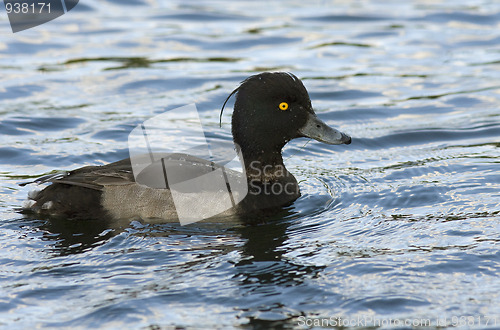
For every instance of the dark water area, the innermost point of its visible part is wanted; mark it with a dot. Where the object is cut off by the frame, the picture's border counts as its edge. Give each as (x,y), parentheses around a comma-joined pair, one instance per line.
(400,229)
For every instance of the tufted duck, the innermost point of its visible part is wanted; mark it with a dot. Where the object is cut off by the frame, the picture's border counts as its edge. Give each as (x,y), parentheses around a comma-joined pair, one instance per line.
(270,110)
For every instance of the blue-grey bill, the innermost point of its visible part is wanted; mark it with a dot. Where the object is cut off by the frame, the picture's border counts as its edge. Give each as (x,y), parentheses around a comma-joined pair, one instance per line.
(316,129)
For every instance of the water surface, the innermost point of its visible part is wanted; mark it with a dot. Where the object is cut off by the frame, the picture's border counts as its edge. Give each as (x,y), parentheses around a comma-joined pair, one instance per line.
(401,225)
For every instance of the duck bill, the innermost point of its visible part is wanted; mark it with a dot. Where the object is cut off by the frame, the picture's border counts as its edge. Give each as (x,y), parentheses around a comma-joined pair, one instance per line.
(316,129)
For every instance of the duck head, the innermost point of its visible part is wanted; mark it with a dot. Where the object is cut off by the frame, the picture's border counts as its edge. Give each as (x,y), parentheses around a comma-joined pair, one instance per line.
(272,109)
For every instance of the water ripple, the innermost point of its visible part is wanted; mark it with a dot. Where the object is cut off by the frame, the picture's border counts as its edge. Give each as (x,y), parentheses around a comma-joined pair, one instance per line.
(402,224)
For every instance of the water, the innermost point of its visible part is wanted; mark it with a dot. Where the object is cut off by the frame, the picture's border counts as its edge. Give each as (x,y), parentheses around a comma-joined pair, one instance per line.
(403,225)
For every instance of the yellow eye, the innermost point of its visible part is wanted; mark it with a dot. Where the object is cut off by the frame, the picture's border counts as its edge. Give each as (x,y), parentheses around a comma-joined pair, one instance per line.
(283,106)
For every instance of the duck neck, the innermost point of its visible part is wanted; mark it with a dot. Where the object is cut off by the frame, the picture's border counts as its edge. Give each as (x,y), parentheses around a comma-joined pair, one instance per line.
(264,165)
